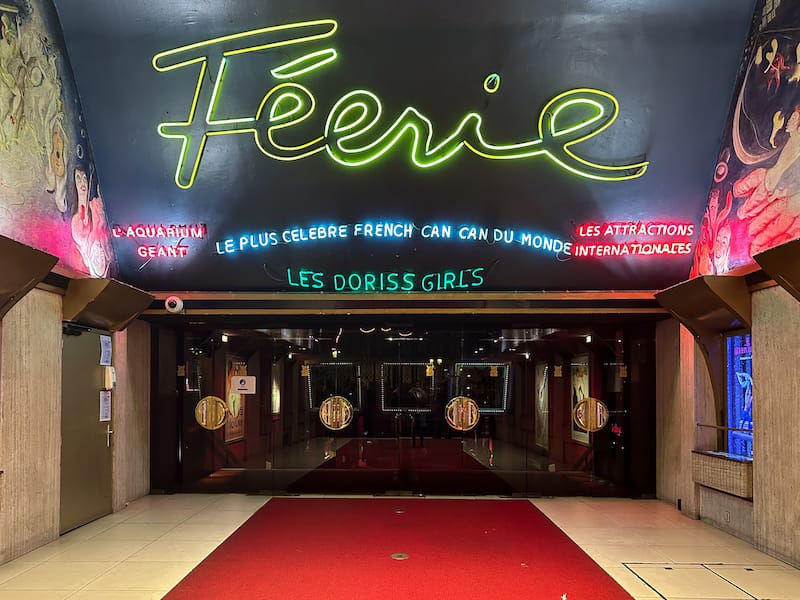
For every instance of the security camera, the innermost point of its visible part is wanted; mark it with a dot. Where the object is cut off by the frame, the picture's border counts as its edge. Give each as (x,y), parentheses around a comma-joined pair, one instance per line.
(173,304)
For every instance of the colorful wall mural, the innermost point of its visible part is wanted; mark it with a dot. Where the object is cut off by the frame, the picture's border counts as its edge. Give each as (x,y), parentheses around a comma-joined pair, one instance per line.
(754,202)
(49,190)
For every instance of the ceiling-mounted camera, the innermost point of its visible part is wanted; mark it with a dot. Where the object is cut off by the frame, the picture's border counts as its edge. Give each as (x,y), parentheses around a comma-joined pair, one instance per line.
(173,304)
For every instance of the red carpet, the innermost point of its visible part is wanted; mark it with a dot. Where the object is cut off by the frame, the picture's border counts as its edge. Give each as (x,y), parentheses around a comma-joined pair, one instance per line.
(340,549)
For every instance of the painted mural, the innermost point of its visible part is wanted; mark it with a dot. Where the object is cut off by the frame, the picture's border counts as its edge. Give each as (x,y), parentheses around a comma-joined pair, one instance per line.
(49,191)
(754,202)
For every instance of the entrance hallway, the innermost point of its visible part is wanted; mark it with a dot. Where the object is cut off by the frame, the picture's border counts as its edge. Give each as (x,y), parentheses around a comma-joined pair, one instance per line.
(141,552)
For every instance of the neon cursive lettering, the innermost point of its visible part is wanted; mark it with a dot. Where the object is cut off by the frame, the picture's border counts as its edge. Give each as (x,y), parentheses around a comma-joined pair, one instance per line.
(355,132)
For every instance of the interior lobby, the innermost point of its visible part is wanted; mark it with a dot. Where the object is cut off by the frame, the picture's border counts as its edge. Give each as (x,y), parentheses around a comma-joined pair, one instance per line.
(420,288)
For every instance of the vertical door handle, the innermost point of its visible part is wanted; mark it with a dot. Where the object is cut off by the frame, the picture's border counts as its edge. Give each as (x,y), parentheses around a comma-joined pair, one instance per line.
(108,436)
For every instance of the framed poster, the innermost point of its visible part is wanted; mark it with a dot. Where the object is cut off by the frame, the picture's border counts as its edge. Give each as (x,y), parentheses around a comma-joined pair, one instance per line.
(579,378)
(234,425)
(542,422)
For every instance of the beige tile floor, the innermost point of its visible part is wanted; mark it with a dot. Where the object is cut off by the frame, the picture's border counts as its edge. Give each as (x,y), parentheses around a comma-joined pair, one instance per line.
(140,553)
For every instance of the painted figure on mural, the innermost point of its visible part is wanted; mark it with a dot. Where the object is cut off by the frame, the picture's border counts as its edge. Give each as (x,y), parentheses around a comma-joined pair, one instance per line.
(31,113)
(759,169)
(713,247)
(772,195)
(90,227)
(12,75)
(47,180)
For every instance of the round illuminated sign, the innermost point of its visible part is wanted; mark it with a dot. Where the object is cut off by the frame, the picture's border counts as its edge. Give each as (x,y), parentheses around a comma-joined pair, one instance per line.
(336,412)
(590,414)
(210,412)
(461,413)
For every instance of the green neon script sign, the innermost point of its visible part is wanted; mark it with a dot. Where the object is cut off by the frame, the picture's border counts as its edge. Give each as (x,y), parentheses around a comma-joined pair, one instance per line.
(356,131)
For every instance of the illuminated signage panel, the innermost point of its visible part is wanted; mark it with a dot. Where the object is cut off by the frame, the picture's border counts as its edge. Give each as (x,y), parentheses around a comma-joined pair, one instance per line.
(356,134)
(331,147)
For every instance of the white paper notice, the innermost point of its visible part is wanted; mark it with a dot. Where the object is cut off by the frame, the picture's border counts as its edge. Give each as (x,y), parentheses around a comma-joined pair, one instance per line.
(105,350)
(105,405)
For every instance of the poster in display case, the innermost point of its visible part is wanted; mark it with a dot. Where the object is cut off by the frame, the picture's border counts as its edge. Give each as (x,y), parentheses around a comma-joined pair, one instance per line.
(739,388)
(234,424)
(542,427)
(579,389)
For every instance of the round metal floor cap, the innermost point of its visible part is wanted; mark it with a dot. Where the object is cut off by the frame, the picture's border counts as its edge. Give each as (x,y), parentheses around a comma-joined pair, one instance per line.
(400,556)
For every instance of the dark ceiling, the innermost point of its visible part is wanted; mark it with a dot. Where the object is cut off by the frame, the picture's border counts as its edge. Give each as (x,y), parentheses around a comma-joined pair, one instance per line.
(671,64)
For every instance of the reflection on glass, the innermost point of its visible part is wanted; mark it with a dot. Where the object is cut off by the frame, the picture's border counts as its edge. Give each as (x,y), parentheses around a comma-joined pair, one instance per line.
(406,386)
(486,383)
(327,379)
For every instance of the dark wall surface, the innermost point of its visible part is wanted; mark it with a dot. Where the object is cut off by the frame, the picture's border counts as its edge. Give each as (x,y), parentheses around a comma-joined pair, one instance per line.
(670,65)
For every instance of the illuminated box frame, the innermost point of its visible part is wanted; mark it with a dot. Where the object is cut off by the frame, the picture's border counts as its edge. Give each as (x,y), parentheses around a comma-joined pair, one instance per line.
(506,378)
(334,364)
(383,386)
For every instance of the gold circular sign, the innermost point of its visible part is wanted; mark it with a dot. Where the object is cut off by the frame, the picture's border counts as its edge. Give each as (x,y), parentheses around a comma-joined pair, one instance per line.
(336,412)
(462,413)
(210,412)
(590,414)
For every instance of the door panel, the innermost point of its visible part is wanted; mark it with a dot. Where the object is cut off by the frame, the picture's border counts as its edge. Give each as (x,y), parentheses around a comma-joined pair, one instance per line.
(85,444)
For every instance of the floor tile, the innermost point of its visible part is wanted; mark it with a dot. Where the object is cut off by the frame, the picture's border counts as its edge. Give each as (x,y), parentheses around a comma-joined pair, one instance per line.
(99,550)
(57,576)
(174,551)
(715,554)
(48,551)
(161,516)
(687,581)
(142,576)
(631,583)
(240,502)
(135,531)
(616,555)
(219,517)
(763,582)
(14,568)
(35,594)
(118,595)
(206,533)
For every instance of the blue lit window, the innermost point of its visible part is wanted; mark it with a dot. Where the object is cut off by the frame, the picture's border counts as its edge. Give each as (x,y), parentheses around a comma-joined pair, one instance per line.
(740,394)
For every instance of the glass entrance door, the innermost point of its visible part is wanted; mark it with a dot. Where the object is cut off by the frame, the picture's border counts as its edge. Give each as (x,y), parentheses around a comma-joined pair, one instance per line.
(387,411)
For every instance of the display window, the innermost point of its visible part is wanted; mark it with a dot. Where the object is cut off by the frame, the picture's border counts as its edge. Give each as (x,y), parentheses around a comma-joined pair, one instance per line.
(739,389)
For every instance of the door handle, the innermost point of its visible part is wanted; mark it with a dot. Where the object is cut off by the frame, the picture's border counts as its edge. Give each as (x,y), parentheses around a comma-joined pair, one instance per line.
(109,431)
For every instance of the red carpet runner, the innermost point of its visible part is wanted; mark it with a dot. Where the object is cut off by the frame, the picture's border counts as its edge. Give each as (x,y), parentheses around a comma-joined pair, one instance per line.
(341,549)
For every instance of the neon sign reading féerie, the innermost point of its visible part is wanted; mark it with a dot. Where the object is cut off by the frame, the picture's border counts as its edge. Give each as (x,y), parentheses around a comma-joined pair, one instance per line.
(355,133)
